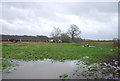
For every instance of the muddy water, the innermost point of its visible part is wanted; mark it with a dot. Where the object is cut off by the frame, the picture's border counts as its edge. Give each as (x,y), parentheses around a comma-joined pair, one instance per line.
(46,69)
(50,69)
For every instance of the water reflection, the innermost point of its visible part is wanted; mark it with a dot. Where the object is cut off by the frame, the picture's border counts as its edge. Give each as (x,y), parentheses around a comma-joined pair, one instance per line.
(45,69)
(51,69)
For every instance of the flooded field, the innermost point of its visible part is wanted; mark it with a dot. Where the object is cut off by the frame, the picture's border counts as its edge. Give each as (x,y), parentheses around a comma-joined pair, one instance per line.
(46,69)
(51,69)
(61,61)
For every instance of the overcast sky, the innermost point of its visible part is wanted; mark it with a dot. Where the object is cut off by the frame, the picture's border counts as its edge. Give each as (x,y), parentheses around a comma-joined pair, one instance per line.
(96,20)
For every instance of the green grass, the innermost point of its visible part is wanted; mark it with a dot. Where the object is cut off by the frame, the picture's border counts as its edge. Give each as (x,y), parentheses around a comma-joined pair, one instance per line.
(0,65)
(63,76)
(37,50)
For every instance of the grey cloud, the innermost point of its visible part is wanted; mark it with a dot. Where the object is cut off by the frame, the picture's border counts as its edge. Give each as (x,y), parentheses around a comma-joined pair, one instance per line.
(40,18)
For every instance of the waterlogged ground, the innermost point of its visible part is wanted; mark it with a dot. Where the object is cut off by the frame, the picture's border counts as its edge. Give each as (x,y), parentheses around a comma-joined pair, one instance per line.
(51,69)
(36,60)
(96,71)
(40,69)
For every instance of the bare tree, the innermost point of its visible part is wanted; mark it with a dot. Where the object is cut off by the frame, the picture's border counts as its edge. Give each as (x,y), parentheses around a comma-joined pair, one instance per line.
(73,31)
(56,33)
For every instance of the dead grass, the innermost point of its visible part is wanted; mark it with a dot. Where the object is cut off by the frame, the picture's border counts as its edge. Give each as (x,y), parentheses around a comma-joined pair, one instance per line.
(22,53)
(69,43)
(102,42)
(12,45)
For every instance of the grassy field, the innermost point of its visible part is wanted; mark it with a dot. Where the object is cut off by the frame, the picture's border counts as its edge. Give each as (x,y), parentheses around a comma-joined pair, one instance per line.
(103,51)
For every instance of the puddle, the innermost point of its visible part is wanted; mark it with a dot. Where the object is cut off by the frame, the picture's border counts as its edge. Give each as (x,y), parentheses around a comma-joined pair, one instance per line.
(46,69)
(51,69)
(92,46)
(86,46)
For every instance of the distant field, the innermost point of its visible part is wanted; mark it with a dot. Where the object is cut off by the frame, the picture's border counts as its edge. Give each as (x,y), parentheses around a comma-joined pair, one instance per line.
(103,51)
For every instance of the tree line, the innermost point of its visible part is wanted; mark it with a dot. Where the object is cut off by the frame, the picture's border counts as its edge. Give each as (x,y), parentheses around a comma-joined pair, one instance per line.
(25,37)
